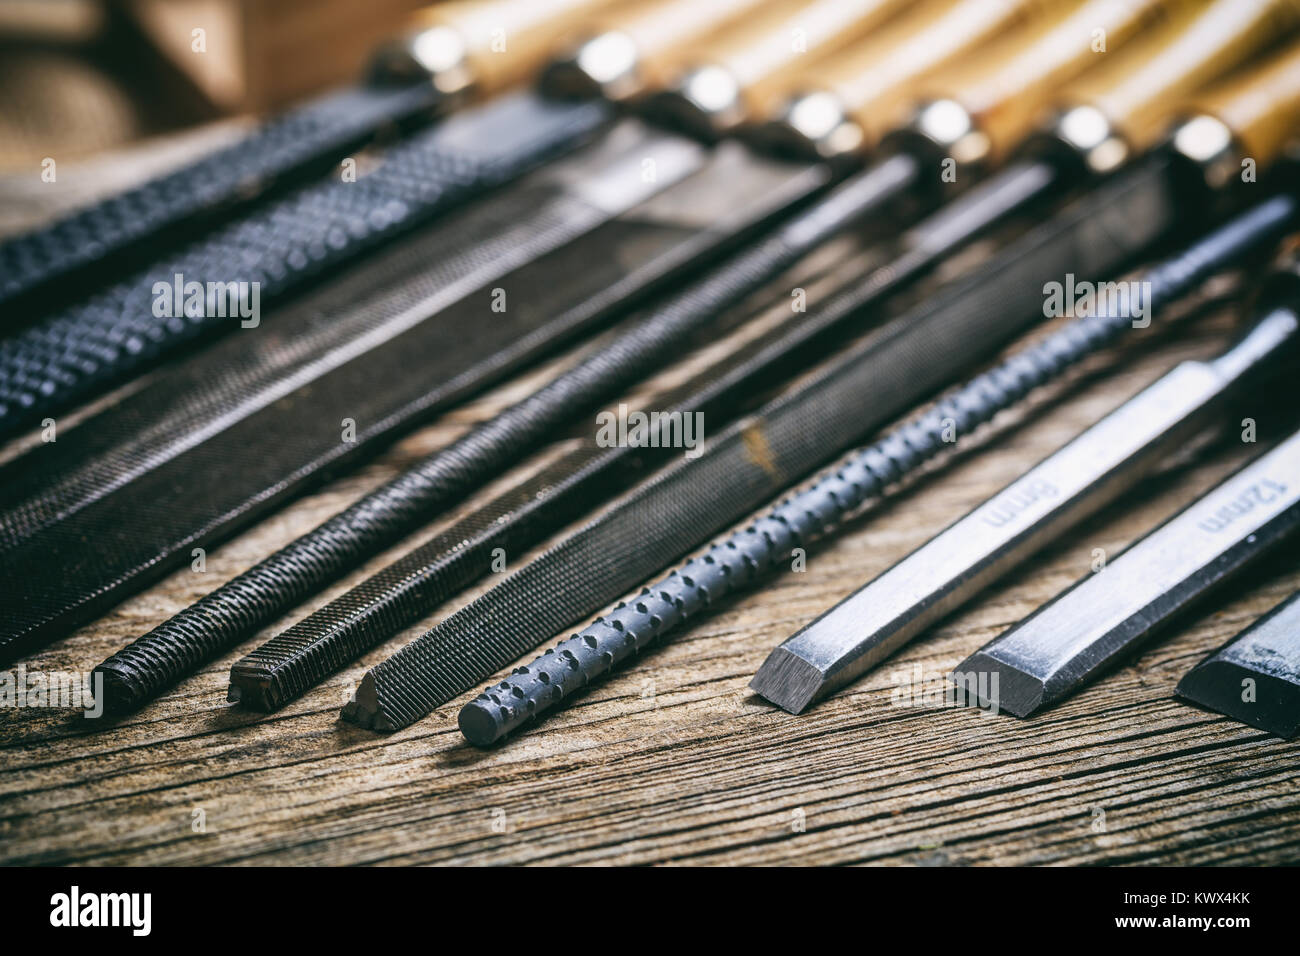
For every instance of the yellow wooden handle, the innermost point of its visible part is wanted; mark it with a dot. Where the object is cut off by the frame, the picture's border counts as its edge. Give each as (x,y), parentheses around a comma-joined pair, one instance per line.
(1003,90)
(625,53)
(762,54)
(1259,106)
(1137,94)
(492,44)
(875,80)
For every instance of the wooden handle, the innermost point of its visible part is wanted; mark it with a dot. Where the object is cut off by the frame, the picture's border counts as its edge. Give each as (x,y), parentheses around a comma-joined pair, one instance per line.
(1006,86)
(654,33)
(875,80)
(764,52)
(502,41)
(1138,93)
(1260,106)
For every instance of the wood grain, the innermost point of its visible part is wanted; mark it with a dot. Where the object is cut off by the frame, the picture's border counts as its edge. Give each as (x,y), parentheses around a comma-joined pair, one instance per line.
(674,761)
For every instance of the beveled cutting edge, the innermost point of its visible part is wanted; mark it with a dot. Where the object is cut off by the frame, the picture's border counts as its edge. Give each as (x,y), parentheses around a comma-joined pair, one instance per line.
(742,560)
(980,548)
(1255,677)
(1087,629)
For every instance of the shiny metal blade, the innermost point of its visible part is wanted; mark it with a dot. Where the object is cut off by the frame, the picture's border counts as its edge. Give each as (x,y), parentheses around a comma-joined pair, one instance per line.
(952,567)
(1255,677)
(1049,655)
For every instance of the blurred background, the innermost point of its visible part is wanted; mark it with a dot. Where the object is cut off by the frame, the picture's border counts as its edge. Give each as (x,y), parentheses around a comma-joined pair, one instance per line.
(101,78)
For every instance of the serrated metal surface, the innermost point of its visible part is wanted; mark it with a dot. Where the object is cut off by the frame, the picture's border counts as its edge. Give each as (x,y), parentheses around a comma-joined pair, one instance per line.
(276,249)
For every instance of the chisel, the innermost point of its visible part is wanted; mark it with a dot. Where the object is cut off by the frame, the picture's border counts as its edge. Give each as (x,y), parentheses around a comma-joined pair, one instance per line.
(1085,630)
(412,587)
(448,52)
(725,79)
(1255,677)
(624,58)
(742,560)
(1076,481)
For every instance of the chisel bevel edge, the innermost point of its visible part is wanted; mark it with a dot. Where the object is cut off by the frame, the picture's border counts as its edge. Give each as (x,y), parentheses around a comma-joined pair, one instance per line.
(1088,628)
(1255,677)
(744,558)
(860,388)
(978,549)
(117,332)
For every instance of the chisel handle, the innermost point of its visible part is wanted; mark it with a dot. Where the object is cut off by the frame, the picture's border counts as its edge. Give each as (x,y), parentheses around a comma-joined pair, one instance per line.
(850,100)
(734,76)
(983,108)
(484,44)
(1125,106)
(1249,117)
(622,54)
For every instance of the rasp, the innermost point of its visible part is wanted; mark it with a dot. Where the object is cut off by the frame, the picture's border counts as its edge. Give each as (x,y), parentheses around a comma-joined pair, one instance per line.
(746,557)
(1053,496)
(221,281)
(378,520)
(1087,629)
(215,442)
(755,457)
(448,52)
(720,81)
(412,587)
(1255,677)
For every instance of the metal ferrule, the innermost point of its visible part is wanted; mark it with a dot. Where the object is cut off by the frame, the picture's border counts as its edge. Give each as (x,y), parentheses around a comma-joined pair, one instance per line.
(705,102)
(1209,147)
(608,65)
(438,53)
(812,125)
(946,128)
(1088,134)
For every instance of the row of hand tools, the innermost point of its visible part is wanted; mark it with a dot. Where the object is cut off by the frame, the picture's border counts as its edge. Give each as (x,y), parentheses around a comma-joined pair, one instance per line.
(676,163)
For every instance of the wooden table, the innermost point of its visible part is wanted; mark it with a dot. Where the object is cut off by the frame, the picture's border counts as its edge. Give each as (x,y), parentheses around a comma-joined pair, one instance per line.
(674,760)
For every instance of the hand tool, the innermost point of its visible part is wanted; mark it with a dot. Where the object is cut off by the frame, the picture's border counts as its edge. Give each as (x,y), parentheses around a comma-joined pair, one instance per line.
(255,597)
(1077,635)
(742,559)
(972,95)
(622,58)
(412,587)
(275,250)
(447,52)
(751,460)
(217,441)
(724,79)
(1255,677)
(91,345)
(1076,481)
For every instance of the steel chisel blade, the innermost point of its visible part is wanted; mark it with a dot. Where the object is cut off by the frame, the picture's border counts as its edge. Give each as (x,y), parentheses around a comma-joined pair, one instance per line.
(1255,677)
